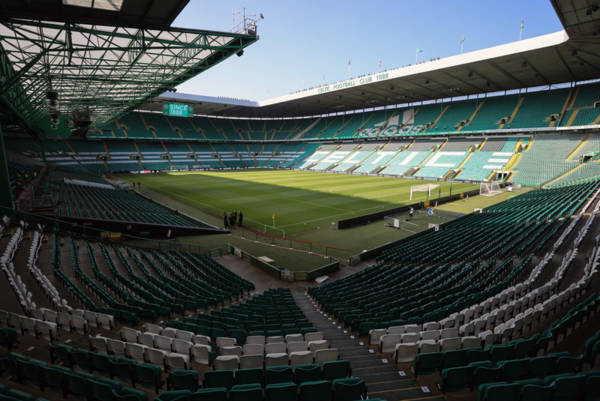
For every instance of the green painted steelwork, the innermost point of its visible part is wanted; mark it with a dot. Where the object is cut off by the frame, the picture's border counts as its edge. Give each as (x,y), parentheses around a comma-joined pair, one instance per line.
(6,200)
(106,70)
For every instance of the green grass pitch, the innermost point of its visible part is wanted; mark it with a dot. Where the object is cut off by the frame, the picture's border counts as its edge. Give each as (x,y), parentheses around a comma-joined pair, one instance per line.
(299,200)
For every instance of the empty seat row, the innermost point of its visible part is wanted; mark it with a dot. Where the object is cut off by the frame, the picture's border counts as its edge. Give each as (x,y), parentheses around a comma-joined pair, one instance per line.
(234,362)
(126,369)
(278,374)
(476,373)
(270,348)
(13,394)
(165,358)
(66,382)
(564,387)
(260,339)
(406,352)
(346,389)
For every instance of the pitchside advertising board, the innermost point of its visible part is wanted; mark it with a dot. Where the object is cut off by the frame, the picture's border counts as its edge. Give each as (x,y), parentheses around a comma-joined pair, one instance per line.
(178,109)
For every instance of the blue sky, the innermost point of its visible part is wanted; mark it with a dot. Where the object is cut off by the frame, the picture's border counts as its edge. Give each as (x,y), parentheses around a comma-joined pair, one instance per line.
(307,43)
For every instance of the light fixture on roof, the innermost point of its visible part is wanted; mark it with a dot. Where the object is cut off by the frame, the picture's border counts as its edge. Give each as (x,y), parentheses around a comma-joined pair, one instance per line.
(52,103)
(52,100)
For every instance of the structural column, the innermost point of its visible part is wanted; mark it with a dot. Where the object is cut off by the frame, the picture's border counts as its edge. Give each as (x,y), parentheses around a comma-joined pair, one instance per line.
(6,201)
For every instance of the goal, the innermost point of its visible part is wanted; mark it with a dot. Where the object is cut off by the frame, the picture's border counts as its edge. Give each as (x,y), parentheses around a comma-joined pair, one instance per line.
(489,188)
(423,188)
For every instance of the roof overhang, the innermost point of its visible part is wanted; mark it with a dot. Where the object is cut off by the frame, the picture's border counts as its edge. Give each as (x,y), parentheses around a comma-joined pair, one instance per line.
(580,18)
(544,60)
(572,55)
(131,13)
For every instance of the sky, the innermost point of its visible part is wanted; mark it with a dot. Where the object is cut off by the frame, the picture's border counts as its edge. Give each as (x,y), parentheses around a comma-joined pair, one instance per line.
(307,43)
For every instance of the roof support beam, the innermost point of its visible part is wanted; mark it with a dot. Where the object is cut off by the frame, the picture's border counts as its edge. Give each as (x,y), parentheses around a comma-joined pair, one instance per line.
(463,82)
(105,70)
(565,64)
(548,82)
(505,73)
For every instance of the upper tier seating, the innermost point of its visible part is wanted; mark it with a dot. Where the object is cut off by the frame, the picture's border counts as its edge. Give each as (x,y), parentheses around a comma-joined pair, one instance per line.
(525,110)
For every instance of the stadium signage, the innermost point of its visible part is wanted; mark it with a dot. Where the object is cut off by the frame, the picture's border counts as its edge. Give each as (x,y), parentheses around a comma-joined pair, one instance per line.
(178,109)
(353,82)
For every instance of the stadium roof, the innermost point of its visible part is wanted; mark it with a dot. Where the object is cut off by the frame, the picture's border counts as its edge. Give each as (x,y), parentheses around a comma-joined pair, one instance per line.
(572,55)
(102,56)
(131,13)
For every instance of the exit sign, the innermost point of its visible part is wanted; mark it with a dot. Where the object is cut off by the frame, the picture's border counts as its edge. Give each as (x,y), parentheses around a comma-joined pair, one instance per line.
(178,109)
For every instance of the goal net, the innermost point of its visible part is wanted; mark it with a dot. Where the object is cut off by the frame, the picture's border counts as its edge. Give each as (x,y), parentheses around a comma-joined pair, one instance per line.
(423,188)
(489,188)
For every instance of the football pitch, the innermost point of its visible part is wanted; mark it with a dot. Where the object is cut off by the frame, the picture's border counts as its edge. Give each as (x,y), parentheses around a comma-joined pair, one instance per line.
(290,201)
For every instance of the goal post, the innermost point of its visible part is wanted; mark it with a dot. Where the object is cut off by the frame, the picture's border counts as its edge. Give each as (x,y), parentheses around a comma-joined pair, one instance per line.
(489,188)
(423,188)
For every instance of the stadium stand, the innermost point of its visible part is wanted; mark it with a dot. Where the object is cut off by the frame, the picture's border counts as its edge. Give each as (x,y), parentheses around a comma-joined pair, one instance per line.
(436,248)
(179,148)
(546,158)
(381,157)
(502,302)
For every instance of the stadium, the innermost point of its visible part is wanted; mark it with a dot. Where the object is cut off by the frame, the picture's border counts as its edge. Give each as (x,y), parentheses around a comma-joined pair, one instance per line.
(424,232)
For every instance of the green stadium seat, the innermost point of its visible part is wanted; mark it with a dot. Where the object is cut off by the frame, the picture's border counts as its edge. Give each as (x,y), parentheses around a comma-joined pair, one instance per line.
(210,394)
(149,375)
(427,363)
(218,378)
(484,374)
(101,390)
(8,337)
(281,392)
(336,370)
(81,358)
(182,380)
(246,392)
(501,352)
(174,395)
(125,369)
(348,389)
(451,359)
(102,363)
(514,369)
(278,374)
(567,388)
(568,364)
(78,383)
(455,378)
(249,376)
(536,392)
(309,372)
(592,388)
(499,391)
(55,377)
(319,390)
(130,394)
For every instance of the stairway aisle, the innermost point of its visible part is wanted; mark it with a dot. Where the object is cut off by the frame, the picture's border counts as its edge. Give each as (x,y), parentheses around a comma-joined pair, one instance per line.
(382,379)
